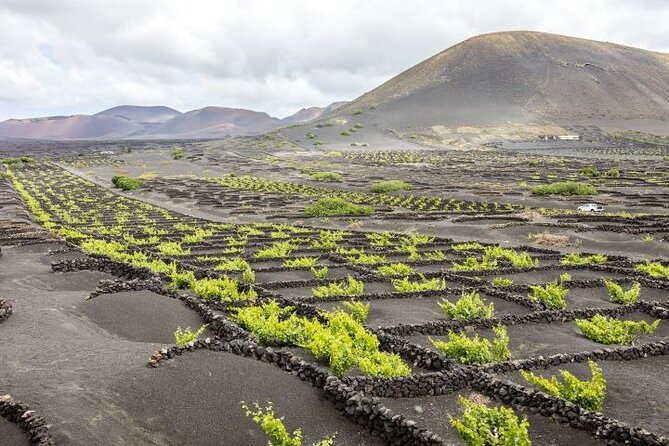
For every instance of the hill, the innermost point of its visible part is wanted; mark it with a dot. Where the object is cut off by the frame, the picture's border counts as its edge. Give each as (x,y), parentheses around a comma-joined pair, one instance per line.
(152,114)
(522,76)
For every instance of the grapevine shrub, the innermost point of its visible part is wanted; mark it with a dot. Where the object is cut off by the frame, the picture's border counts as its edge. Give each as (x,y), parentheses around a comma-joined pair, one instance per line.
(607,330)
(476,350)
(490,426)
(588,394)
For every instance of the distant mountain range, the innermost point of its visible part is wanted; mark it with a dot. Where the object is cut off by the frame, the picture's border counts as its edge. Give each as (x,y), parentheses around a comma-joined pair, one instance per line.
(490,79)
(156,122)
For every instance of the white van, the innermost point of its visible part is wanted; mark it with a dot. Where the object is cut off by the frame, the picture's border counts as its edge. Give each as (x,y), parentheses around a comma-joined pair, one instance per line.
(591,207)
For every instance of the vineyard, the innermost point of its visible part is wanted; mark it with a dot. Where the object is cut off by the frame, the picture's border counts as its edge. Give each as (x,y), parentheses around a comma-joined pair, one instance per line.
(398,330)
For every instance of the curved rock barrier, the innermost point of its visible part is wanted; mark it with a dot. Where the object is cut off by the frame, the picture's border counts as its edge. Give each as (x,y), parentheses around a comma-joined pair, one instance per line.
(31,421)
(5,310)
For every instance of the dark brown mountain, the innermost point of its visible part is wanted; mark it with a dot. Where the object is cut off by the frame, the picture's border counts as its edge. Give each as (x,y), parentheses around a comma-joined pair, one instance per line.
(520,76)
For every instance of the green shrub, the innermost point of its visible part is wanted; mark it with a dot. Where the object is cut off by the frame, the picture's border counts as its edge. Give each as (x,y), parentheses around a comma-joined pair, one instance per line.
(568,188)
(224,289)
(351,287)
(366,259)
(468,246)
(435,255)
(653,269)
(182,279)
(517,259)
(490,426)
(564,277)
(274,428)
(358,310)
(319,273)
(172,249)
(619,296)
(395,269)
(300,262)
(345,343)
(502,282)
(248,276)
(588,394)
(576,259)
(177,154)
(380,239)
(236,264)
(183,337)
(277,250)
(607,330)
(326,176)
(390,186)
(589,172)
(272,324)
(476,350)
(415,240)
(552,294)
(405,285)
(333,207)
(12,161)
(612,172)
(474,264)
(470,305)
(126,183)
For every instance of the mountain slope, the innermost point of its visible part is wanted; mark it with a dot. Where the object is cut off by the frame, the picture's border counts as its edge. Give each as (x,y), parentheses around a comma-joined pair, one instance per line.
(153,114)
(211,122)
(70,127)
(520,76)
(310,113)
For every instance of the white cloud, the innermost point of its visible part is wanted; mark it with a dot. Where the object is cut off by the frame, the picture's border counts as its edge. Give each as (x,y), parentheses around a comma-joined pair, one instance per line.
(82,56)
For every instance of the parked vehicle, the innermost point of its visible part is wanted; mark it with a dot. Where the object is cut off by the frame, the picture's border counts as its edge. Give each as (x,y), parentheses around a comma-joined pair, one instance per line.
(591,207)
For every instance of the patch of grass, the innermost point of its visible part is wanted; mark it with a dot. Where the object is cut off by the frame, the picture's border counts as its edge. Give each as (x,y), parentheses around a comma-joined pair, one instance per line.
(568,188)
(588,394)
(390,186)
(608,331)
(333,207)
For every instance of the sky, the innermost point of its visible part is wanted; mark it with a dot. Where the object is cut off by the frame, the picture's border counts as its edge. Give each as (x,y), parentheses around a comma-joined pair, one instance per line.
(62,57)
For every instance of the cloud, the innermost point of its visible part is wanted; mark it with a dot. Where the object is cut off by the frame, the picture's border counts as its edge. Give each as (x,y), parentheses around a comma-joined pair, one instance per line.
(81,56)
